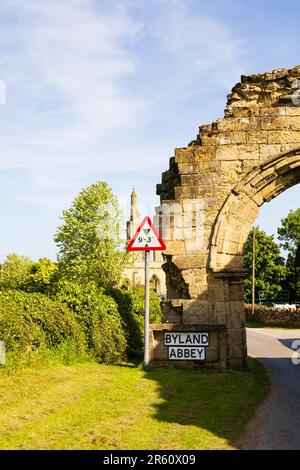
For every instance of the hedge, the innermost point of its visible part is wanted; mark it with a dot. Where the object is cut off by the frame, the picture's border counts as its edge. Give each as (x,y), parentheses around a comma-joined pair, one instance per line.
(29,322)
(99,318)
(131,308)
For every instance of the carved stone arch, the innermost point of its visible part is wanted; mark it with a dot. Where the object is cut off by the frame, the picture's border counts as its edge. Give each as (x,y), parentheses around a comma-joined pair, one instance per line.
(241,208)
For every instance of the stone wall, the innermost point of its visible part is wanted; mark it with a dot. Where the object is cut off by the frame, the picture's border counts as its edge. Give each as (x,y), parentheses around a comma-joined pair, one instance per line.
(277,317)
(220,180)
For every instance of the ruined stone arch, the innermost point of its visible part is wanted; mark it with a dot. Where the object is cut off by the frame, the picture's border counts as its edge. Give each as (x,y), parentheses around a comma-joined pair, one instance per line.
(235,164)
(241,208)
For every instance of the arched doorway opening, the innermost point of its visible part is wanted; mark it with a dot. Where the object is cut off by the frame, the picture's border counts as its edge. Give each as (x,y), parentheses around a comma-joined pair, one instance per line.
(270,255)
(241,208)
(155,284)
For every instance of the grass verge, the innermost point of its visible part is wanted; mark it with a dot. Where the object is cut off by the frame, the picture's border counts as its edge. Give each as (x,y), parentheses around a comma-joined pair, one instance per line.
(65,353)
(92,406)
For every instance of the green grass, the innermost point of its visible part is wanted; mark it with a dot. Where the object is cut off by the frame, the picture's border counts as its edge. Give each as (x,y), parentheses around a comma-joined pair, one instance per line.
(92,406)
(65,353)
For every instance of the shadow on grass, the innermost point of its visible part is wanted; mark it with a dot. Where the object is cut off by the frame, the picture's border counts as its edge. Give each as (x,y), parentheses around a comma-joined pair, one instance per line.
(133,364)
(221,402)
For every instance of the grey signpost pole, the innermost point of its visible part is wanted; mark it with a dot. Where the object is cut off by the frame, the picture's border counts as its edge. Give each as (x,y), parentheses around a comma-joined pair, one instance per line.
(147,288)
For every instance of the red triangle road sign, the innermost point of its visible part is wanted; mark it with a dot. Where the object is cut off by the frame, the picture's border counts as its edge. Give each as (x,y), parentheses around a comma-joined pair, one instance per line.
(146,238)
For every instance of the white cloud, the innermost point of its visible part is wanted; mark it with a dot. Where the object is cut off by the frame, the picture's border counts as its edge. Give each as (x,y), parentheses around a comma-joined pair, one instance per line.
(66,75)
(96,89)
(67,66)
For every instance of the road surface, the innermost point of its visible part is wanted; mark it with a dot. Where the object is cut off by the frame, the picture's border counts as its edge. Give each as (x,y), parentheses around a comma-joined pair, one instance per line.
(276,424)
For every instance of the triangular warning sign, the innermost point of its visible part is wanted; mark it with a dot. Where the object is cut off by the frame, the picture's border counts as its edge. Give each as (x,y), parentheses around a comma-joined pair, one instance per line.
(146,238)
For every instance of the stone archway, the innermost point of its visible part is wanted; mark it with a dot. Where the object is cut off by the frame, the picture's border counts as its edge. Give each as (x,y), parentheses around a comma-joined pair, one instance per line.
(210,197)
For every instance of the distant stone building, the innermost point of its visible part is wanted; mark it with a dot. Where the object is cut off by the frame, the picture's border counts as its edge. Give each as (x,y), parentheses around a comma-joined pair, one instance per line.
(135,270)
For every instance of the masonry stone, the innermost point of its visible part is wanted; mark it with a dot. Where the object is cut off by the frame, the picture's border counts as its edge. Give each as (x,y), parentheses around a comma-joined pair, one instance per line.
(234,166)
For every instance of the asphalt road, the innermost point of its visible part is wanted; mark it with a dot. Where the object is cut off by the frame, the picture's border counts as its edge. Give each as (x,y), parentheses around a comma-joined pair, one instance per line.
(276,424)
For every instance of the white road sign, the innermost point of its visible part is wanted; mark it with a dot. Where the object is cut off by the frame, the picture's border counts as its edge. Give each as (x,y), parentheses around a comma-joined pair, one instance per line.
(186,339)
(186,354)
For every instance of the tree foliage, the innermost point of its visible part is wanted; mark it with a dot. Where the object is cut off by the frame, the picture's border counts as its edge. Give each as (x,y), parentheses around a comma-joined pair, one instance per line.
(269,265)
(289,236)
(90,246)
(289,232)
(22,273)
(15,272)
(43,275)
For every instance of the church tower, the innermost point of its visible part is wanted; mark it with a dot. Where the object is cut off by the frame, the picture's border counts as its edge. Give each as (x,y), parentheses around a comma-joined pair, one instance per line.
(134,221)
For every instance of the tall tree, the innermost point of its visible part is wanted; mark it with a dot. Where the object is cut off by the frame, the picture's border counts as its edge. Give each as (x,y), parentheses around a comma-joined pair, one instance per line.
(89,240)
(269,266)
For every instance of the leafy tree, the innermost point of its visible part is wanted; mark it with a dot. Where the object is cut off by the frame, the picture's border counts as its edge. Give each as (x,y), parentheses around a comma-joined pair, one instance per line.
(90,246)
(269,265)
(15,272)
(289,232)
(289,235)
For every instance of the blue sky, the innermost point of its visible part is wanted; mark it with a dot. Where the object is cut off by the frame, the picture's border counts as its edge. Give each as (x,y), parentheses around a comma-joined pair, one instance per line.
(105,90)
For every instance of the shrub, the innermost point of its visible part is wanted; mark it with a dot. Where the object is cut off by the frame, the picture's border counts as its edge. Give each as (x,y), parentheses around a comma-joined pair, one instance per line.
(30,322)
(132,310)
(98,315)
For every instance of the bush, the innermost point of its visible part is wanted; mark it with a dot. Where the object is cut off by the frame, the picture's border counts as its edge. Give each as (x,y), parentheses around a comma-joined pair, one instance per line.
(31,322)
(98,315)
(132,310)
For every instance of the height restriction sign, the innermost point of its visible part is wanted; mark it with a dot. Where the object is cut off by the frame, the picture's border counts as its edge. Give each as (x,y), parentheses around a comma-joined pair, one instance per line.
(146,238)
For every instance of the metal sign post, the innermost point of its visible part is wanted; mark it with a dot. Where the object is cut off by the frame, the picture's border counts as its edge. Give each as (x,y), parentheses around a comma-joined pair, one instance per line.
(146,239)
(147,302)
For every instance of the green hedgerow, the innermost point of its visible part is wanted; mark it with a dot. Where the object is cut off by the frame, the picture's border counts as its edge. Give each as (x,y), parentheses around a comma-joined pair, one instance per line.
(131,307)
(98,315)
(29,322)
